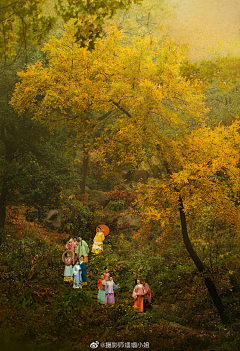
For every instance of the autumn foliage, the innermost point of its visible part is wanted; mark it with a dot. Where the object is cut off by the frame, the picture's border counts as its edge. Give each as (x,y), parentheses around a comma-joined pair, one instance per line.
(117,97)
(121,105)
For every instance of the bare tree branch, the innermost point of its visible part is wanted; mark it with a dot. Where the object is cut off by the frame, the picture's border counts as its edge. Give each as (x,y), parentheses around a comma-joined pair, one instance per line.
(121,108)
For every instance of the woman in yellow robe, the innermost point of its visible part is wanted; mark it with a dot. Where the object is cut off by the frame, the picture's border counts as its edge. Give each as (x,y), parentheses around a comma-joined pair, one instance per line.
(98,241)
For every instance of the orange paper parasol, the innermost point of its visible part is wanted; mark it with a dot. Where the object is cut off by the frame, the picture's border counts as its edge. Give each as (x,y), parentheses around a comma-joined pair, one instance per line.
(104,228)
(71,253)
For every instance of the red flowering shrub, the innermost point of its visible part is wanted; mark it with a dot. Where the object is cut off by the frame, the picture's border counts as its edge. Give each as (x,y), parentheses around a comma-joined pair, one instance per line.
(122,192)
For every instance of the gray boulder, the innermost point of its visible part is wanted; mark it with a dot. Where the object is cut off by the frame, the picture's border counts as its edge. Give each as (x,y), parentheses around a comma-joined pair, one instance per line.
(98,196)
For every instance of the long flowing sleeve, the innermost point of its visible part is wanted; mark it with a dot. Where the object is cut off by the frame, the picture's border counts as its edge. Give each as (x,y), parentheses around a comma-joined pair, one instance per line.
(115,287)
(148,295)
(135,293)
(75,271)
(86,247)
(77,251)
(99,284)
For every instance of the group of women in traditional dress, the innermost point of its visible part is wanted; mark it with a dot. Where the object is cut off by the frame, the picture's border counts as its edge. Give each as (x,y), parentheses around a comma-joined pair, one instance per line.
(80,248)
(106,287)
(75,270)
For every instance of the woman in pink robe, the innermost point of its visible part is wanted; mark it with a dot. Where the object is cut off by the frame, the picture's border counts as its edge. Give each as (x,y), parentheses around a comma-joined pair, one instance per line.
(69,245)
(74,245)
(138,293)
(106,274)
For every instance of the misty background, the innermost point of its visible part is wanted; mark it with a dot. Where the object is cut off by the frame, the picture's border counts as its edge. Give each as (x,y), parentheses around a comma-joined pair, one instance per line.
(210,27)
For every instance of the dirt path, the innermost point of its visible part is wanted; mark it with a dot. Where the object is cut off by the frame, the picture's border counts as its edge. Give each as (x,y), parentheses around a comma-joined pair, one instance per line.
(175,324)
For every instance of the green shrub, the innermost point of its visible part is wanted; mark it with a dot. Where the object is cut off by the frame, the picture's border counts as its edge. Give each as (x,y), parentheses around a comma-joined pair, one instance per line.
(115,206)
(30,260)
(76,217)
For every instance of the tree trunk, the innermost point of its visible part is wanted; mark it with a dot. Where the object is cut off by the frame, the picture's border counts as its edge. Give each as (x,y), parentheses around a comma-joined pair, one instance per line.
(86,160)
(3,198)
(208,281)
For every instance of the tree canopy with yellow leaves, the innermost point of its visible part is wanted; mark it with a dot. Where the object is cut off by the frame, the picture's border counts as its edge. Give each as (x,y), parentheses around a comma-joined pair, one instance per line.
(77,88)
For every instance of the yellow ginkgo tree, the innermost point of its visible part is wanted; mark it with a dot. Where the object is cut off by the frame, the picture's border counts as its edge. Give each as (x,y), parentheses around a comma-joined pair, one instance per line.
(115,96)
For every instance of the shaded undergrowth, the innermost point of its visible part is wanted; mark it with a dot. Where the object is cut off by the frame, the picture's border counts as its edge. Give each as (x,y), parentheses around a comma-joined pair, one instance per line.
(39,311)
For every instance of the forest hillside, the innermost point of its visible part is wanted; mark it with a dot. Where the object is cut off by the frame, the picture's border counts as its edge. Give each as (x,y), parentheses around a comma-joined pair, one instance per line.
(124,114)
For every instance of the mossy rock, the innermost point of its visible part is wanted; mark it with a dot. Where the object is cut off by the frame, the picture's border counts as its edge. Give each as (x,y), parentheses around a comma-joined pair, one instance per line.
(98,196)
(115,206)
(87,190)
(128,221)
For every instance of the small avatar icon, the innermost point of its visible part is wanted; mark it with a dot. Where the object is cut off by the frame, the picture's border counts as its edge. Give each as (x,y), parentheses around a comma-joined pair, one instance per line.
(94,345)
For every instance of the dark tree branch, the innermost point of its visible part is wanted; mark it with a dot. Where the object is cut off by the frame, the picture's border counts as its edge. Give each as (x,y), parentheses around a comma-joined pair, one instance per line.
(4,19)
(208,281)
(12,4)
(101,118)
(121,108)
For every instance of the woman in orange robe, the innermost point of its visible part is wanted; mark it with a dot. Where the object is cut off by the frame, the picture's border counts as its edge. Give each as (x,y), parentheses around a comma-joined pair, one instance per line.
(138,294)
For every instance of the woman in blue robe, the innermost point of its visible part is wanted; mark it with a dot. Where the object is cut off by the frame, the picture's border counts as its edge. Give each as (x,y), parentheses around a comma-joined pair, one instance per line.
(77,276)
(84,272)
